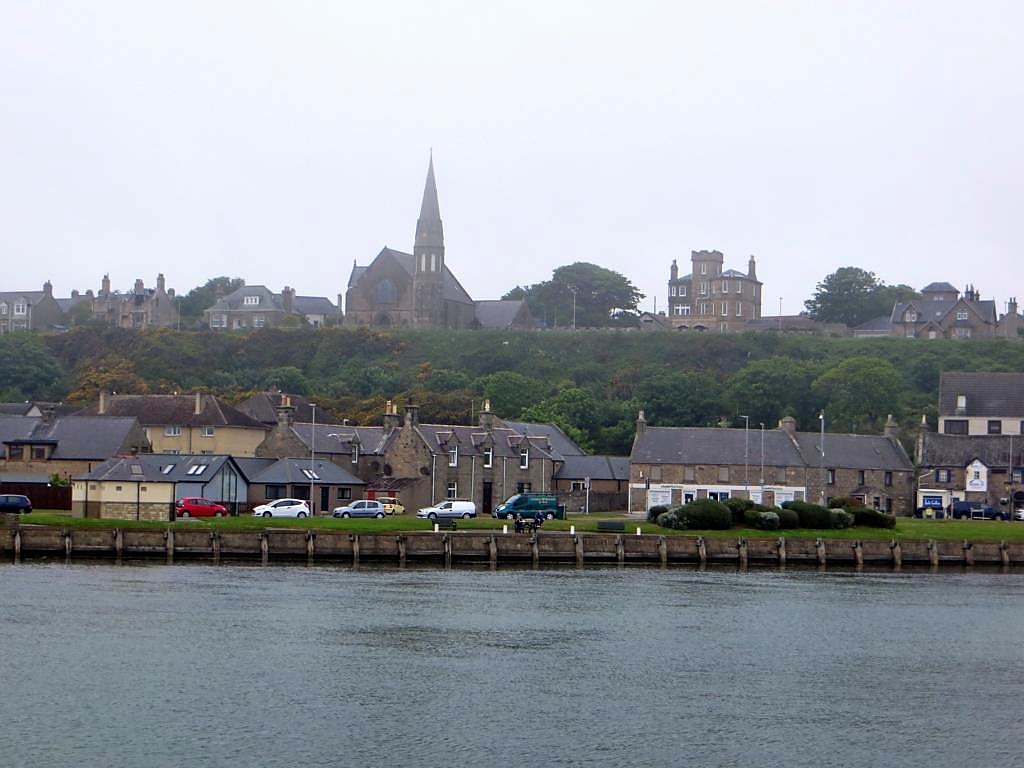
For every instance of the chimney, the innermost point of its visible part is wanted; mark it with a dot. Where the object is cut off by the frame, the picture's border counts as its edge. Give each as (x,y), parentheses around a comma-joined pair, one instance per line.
(48,412)
(103,403)
(288,298)
(892,429)
(199,404)
(752,268)
(48,289)
(140,288)
(641,423)
(391,419)
(924,423)
(161,284)
(487,417)
(673,273)
(285,413)
(788,425)
(412,415)
(105,286)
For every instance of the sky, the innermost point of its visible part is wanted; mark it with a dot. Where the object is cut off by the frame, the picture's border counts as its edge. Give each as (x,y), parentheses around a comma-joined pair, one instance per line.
(281,142)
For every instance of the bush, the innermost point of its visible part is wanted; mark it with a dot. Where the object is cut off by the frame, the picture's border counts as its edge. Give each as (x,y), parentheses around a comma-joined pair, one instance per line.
(761,518)
(849,503)
(873,518)
(653,512)
(788,518)
(704,514)
(840,518)
(668,519)
(811,515)
(738,507)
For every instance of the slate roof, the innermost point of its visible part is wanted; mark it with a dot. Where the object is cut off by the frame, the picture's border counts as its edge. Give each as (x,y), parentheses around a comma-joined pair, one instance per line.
(82,438)
(303,305)
(159,468)
(158,410)
(501,313)
(960,450)
(988,394)
(880,324)
(452,288)
(942,287)
(594,467)
(263,407)
(314,305)
(332,439)
(937,309)
(287,471)
(561,443)
(704,445)
(15,409)
(472,441)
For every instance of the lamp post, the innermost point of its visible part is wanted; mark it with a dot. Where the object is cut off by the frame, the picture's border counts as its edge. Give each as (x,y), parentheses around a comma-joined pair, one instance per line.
(762,459)
(572,290)
(821,448)
(746,453)
(780,313)
(312,463)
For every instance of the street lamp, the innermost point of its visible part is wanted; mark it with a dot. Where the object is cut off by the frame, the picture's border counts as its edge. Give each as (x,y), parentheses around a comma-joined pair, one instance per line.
(762,458)
(312,463)
(821,448)
(572,290)
(746,453)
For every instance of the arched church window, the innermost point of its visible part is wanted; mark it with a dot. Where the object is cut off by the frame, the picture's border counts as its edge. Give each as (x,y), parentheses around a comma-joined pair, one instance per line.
(386,292)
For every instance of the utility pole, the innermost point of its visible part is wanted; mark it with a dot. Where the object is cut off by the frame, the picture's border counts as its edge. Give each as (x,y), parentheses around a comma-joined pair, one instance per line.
(746,454)
(821,447)
(312,464)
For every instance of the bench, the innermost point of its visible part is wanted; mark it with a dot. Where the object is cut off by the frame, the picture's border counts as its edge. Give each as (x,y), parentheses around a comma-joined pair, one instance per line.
(444,523)
(608,526)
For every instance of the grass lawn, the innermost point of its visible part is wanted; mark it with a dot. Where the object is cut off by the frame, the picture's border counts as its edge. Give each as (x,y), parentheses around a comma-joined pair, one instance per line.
(906,528)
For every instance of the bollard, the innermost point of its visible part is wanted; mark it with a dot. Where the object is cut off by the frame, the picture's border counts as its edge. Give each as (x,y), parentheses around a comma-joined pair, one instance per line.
(663,550)
(17,546)
(780,546)
(264,549)
(968,553)
(1004,553)
(215,546)
(169,538)
(819,547)
(741,551)
(492,543)
(310,547)
(572,530)
(858,554)
(401,550)
(933,554)
(355,549)
(67,546)
(579,551)
(504,528)
(620,550)
(437,528)
(447,541)
(118,543)
(897,554)
(638,531)
(535,549)
(702,550)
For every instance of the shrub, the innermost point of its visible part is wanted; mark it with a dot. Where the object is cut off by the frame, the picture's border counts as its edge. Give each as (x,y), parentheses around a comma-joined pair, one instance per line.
(788,518)
(849,503)
(840,518)
(811,515)
(873,518)
(704,514)
(653,512)
(738,508)
(761,518)
(668,519)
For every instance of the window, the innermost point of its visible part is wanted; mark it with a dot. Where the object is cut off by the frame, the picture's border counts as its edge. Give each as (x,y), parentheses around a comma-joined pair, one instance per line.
(704,269)
(524,458)
(995,427)
(888,478)
(910,316)
(172,430)
(386,293)
(943,475)
(860,477)
(961,314)
(739,309)
(725,286)
(166,469)
(672,291)
(38,452)
(19,308)
(274,491)
(197,469)
(577,485)
(682,290)
(1016,477)
(723,474)
(830,477)
(955,427)
(344,493)
(684,310)
(453,490)
(704,288)
(453,459)
(258,321)
(689,474)
(310,474)
(3,308)
(207,431)
(962,333)
(250,301)
(355,453)
(739,287)
(725,309)
(488,457)
(523,487)
(218,321)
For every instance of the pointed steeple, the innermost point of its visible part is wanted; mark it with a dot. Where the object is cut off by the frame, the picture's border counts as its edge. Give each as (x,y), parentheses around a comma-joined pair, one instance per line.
(429,232)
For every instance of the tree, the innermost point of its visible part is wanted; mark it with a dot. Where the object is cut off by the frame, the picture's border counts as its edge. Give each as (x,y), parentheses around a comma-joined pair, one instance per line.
(198,299)
(672,399)
(767,390)
(581,294)
(29,370)
(859,393)
(853,296)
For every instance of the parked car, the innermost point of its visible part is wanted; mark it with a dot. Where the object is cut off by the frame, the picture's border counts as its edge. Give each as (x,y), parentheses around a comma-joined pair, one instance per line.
(282,508)
(1018,514)
(448,510)
(362,508)
(528,504)
(15,502)
(196,506)
(975,510)
(392,505)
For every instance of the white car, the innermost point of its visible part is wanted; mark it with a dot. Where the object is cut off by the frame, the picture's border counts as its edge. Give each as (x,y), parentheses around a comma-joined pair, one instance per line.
(448,510)
(1018,514)
(282,508)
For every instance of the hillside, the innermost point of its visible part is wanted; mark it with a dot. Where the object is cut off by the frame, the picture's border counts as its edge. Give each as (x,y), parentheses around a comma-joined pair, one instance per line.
(592,383)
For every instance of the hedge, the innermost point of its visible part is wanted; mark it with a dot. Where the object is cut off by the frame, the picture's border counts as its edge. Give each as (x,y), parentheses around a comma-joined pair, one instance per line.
(873,518)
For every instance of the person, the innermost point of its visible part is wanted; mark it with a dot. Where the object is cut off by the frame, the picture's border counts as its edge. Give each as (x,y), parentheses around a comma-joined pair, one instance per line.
(520,523)
(538,519)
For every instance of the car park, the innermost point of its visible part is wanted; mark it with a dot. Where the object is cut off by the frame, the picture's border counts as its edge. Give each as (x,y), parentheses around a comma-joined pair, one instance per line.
(449,510)
(362,508)
(282,508)
(196,506)
(392,505)
(976,510)
(15,502)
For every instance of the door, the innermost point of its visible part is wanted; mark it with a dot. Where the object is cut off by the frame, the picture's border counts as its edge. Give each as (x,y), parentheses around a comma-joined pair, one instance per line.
(485,501)
(325,498)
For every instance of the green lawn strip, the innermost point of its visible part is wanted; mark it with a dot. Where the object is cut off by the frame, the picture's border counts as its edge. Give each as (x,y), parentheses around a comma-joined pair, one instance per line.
(906,528)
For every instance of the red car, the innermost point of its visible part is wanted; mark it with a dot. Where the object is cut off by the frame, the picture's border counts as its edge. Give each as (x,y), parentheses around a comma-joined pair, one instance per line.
(194,506)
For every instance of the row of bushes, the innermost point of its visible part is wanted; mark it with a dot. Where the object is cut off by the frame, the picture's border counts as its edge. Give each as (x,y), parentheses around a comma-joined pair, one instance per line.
(708,514)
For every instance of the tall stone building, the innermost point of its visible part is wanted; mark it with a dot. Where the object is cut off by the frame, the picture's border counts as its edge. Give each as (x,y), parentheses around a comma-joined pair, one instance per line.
(712,298)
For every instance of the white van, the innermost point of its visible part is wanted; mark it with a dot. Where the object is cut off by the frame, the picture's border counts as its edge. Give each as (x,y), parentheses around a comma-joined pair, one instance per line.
(449,509)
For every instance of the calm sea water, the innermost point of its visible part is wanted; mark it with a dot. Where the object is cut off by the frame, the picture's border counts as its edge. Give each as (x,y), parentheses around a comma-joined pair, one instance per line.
(187,665)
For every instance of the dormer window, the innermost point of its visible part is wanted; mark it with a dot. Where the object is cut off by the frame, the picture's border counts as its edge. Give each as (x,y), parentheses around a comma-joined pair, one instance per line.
(453,456)
(524,458)
(961,314)
(910,316)
(19,308)
(355,453)
(251,301)
(488,457)
(961,402)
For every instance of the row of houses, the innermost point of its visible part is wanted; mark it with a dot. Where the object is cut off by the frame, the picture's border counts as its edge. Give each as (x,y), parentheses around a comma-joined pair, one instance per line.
(134,455)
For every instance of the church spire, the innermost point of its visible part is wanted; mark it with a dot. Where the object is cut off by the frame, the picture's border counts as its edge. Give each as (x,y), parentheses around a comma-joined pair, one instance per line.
(429,232)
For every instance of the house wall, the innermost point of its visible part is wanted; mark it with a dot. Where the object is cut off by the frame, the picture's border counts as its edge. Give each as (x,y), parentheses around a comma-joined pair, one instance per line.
(978,425)
(233,441)
(122,500)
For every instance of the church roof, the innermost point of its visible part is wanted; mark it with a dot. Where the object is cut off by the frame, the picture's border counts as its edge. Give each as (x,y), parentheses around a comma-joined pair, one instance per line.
(453,290)
(429,231)
(501,313)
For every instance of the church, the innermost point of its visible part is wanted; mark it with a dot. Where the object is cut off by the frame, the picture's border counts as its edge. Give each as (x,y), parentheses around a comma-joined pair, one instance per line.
(417,290)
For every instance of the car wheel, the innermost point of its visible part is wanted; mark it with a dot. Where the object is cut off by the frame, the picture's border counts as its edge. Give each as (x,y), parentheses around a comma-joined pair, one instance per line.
(184,514)
(549,516)
(301,514)
(218,514)
(345,514)
(267,514)
(466,515)
(432,516)
(379,515)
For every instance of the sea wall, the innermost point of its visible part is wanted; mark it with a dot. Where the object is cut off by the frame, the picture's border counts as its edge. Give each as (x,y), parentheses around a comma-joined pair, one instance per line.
(488,547)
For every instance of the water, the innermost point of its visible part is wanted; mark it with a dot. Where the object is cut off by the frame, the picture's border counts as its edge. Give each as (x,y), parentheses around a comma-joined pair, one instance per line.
(288,666)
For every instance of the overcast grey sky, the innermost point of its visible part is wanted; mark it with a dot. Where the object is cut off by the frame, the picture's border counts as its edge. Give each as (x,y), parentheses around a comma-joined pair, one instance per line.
(281,141)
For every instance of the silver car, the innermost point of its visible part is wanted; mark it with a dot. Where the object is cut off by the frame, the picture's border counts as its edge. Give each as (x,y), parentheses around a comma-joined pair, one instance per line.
(363,508)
